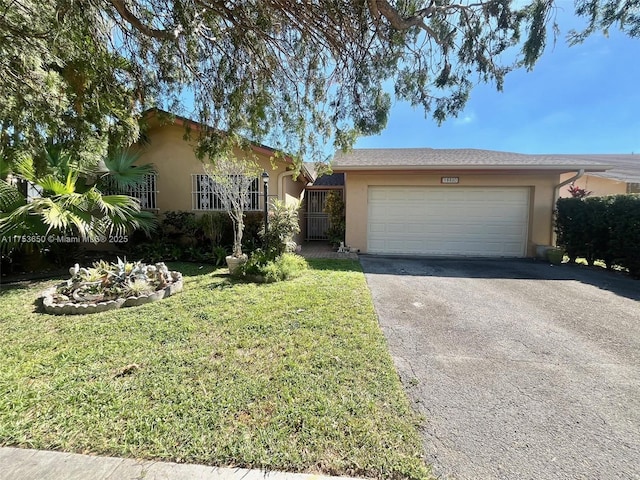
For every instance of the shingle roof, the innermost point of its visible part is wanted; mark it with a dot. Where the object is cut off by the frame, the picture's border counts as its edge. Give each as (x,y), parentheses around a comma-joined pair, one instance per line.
(331,180)
(624,168)
(431,158)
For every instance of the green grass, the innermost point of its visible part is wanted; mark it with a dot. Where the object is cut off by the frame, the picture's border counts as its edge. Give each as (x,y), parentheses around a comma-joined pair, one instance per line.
(288,376)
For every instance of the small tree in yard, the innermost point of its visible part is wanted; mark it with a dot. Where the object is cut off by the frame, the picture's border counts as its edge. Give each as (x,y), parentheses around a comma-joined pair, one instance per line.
(231,180)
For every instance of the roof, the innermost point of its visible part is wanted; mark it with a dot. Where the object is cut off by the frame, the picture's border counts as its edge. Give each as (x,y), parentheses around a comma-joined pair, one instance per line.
(624,168)
(459,159)
(172,119)
(330,180)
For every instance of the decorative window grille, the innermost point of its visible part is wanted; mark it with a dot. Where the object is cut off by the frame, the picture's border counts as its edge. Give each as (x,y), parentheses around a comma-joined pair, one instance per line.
(145,192)
(204,198)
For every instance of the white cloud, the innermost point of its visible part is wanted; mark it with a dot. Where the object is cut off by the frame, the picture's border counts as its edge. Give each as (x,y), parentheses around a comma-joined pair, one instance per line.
(465,119)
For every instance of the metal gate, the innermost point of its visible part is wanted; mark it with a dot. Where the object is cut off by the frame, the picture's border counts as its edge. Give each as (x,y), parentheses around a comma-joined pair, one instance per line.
(317,218)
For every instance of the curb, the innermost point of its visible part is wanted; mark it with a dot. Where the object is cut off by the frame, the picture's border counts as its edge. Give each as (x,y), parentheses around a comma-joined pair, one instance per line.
(27,464)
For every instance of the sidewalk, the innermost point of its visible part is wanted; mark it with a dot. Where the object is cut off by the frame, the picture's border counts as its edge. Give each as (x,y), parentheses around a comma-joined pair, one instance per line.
(24,464)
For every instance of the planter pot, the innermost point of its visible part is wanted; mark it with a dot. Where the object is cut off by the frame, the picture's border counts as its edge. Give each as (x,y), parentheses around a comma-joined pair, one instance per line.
(235,262)
(555,256)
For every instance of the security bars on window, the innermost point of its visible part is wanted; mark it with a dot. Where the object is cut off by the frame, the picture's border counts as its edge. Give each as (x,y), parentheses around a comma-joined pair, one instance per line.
(146,192)
(203,197)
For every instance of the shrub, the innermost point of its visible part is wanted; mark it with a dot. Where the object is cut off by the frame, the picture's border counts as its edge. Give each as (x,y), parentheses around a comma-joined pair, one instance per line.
(219,255)
(178,237)
(601,228)
(261,266)
(180,224)
(214,225)
(252,226)
(571,227)
(283,225)
(598,230)
(624,220)
(335,207)
(183,236)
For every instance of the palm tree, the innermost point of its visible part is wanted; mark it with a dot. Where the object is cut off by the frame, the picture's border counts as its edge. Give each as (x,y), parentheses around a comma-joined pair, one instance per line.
(71,199)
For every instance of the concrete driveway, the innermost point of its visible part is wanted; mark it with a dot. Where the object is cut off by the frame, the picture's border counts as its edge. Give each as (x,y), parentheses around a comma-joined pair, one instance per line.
(521,369)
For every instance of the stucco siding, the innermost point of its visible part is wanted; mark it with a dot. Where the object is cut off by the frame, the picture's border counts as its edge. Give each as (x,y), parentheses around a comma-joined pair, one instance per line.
(175,162)
(541,188)
(599,186)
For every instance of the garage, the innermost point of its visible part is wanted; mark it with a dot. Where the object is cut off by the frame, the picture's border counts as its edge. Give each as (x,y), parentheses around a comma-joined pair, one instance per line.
(449,220)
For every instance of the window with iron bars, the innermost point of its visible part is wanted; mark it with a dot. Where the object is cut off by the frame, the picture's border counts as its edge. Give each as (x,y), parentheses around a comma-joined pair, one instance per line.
(145,192)
(204,198)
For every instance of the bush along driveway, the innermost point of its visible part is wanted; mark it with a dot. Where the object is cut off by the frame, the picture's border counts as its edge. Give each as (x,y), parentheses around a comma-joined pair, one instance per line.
(522,370)
(288,376)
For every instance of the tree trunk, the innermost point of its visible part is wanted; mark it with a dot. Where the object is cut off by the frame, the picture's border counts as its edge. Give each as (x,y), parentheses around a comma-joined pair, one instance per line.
(238,227)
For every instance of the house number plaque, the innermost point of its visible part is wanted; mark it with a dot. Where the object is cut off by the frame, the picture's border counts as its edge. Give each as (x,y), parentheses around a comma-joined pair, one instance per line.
(450,180)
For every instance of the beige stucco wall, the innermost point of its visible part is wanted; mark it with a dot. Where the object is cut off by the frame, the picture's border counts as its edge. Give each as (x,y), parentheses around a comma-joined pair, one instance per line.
(541,203)
(597,185)
(175,161)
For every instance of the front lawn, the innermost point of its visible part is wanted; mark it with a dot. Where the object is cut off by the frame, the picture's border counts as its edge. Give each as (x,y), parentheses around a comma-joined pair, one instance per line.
(287,376)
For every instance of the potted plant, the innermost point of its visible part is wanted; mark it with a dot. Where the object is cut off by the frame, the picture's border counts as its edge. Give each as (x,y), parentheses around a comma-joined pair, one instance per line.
(230,182)
(555,255)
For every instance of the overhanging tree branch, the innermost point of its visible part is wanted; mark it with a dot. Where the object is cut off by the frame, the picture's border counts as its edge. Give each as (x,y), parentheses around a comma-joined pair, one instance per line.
(135,22)
(397,21)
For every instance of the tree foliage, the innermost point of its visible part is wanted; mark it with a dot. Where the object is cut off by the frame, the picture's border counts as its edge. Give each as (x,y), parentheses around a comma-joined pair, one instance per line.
(230,183)
(71,200)
(63,80)
(604,14)
(294,74)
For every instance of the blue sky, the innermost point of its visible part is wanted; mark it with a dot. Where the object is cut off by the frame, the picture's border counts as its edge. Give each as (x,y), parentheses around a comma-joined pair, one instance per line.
(580,99)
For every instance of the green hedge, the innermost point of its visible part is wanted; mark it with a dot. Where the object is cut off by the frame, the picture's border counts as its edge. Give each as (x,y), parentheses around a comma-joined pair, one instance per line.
(601,228)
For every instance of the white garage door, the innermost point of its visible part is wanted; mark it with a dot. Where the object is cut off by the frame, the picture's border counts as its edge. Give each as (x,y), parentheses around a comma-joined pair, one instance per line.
(473,221)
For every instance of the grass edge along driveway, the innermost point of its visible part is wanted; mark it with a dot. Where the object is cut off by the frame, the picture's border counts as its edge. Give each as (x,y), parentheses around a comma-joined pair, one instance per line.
(291,376)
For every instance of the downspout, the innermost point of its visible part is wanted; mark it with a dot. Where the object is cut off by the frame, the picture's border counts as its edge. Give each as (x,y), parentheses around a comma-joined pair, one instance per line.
(556,196)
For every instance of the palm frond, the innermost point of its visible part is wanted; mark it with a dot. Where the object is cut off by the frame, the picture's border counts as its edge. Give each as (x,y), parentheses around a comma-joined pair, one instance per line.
(122,214)
(54,186)
(122,173)
(10,197)
(88,214)
(5,167)
(118,205)
(25,167)
(23,220)
(141,220)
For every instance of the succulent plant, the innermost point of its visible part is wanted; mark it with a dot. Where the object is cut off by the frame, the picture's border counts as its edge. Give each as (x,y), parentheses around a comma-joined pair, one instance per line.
(106,281)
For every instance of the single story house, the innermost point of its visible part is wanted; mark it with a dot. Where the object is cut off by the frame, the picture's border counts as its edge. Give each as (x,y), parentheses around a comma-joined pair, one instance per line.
(179,181)
(423,201)
(415,201)
(622,177)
